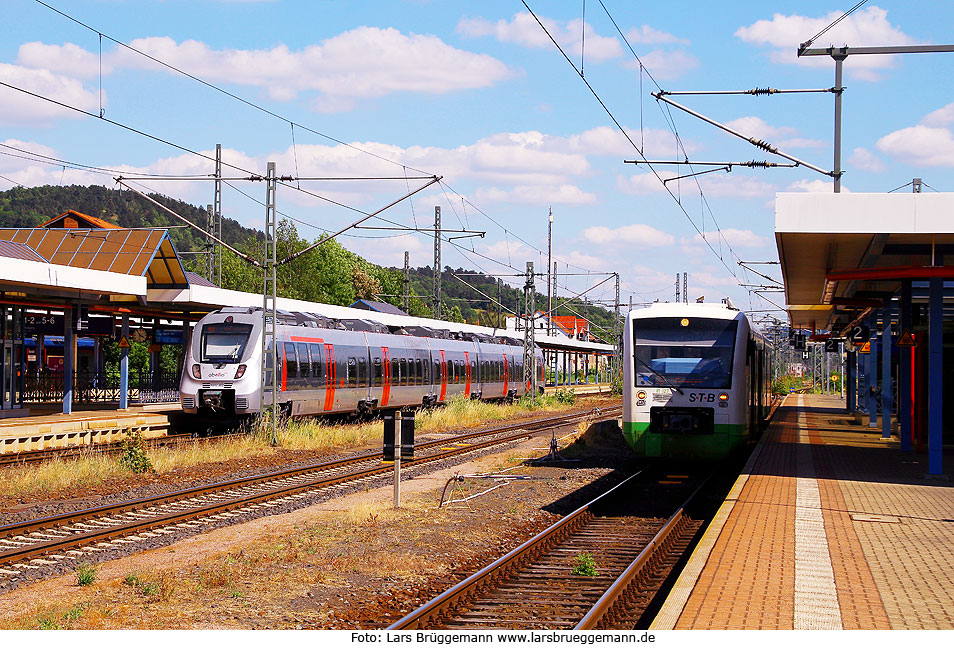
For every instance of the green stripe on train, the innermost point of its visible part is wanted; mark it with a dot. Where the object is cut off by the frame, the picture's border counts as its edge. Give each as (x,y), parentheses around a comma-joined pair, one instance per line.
(719,443)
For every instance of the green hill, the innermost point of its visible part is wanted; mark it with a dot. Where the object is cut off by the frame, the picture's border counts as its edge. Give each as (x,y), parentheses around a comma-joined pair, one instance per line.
(331,274)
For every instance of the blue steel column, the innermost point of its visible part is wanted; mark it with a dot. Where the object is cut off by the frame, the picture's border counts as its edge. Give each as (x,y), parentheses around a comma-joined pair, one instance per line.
(886,392)
(67,361)
(124,367)
(935,374)
(871,374)
(904,368)
(849,380)
(862,381)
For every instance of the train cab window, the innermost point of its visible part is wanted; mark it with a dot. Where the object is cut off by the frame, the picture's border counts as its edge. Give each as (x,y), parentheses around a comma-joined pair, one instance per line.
(317,367)
(363,372)
(378,373)
(304,368)
(291,361)
(403,364)
(352,372)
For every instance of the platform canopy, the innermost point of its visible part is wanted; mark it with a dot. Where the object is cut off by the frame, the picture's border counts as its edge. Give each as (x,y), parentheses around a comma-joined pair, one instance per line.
(842,253)
(146,253)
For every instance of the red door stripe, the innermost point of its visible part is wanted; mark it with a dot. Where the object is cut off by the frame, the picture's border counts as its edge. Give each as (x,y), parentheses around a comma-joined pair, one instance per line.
(467,373)
(443,377)
(386,393)
(506,376)
(330,377)
(284,370)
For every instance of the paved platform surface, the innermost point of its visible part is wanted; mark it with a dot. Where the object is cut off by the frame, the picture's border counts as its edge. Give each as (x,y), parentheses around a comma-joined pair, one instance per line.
(829,527)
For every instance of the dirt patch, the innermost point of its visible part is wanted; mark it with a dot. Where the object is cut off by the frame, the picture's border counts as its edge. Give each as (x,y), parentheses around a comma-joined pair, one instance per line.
(352,562)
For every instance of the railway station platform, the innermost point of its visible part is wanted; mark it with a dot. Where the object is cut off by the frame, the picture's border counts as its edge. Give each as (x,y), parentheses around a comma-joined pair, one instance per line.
(44,430)
(828,527)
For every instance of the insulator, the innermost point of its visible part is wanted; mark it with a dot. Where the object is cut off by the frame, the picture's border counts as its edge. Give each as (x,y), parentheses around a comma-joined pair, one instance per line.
(762,91)
(762,144)
(764,164)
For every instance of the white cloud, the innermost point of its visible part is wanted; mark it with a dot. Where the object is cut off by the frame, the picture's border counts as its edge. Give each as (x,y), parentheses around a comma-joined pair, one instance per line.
(666,65)
(636,235)
(867,27)
(362,63)
(725,185)
(782,137)
(734,237)
(940,117)
(815,186)
(522,29)
(536,195)
(647,36)
(920,145)
(866,160)
(20,108)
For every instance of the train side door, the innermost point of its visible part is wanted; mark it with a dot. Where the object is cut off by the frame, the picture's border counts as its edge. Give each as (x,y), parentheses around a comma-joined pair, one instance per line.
(330,376)
(467,373)
(443,392)
(385,375)
(506,375)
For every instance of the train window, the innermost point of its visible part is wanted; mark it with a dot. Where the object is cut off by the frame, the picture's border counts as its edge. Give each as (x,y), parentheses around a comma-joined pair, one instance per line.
(460,371)
(378,373)
(291,361)
(363,372)
(395,372)
(426,378)
(352,372)
(473,370)
(317,367)
(403,364)
(305,366)
(419,371)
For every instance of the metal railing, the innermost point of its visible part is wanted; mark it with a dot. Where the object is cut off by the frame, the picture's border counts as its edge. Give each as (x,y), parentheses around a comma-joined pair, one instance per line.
(102,386)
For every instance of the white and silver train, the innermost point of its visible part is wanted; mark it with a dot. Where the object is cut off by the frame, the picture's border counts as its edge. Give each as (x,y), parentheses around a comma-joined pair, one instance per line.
(696,381)
(338,366)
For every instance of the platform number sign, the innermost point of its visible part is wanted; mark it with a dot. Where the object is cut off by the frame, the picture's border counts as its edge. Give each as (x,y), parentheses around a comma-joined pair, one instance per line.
(831,344)
(797,339)
(859,334)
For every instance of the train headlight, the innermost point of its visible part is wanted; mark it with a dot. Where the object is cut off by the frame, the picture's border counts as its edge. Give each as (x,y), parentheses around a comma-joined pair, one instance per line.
(240,371)
(641,394)
(724,400)
(197,371)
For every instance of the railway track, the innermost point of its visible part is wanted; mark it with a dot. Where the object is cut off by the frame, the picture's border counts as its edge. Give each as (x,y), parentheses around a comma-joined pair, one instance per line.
(36,545)
(534,586)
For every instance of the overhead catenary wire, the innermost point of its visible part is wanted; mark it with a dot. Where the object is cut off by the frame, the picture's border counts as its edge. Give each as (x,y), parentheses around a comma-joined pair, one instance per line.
(251,104)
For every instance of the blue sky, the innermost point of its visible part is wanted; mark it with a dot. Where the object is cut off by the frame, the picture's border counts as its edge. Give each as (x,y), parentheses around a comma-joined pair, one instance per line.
(477,93)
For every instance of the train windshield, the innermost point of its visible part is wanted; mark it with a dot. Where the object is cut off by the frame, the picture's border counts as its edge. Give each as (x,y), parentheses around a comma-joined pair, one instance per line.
(224,342)
(684,352)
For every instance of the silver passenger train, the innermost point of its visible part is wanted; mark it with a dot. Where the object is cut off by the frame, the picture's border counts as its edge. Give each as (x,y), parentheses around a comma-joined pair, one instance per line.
(343,365)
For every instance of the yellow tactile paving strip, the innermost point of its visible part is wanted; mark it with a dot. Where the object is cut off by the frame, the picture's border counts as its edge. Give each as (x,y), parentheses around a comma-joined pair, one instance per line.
(886,574)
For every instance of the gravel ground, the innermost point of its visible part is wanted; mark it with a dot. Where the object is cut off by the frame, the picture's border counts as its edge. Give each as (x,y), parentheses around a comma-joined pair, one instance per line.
(346,560)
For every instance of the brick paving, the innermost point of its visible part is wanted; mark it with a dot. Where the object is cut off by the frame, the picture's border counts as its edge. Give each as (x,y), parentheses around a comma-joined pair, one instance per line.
(885,558)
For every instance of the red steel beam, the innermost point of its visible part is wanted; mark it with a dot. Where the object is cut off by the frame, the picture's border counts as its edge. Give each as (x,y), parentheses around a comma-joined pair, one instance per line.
(891,272)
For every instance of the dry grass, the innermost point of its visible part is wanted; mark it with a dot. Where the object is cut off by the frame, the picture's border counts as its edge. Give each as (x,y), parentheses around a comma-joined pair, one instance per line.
(93,469)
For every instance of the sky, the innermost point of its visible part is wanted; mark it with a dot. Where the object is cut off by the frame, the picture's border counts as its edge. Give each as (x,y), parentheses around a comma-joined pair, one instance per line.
(479,94)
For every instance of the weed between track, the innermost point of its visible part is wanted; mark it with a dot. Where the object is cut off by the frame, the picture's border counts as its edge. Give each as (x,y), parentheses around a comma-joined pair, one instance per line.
(92,469)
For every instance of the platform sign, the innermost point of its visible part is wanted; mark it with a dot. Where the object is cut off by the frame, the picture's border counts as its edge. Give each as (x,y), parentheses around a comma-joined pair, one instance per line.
(168,336)
(866,348)
(906,340)
(859,334)
(39,324)
(124,343)
(831,344)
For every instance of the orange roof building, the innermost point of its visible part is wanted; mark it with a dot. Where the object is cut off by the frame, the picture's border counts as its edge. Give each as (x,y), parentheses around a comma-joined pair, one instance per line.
(74,219)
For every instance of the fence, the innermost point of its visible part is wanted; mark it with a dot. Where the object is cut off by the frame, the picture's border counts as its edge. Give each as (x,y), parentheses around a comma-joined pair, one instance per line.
(102,386)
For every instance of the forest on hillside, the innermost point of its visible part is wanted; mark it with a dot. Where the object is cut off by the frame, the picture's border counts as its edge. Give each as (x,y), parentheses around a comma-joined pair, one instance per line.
(330,274)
